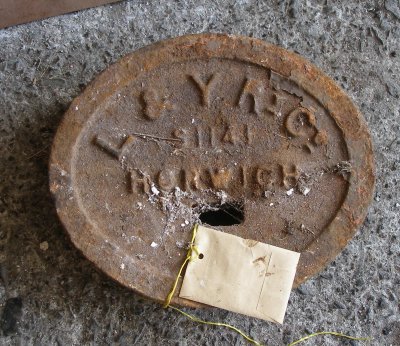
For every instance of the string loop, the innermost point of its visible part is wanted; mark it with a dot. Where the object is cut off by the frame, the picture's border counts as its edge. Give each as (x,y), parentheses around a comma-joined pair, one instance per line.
(193,254)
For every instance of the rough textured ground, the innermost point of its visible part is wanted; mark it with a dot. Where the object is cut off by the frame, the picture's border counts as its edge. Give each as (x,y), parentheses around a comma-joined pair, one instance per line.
(51,295)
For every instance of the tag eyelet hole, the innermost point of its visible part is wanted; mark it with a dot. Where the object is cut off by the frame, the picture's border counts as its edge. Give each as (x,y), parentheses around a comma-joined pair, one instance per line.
(201,256)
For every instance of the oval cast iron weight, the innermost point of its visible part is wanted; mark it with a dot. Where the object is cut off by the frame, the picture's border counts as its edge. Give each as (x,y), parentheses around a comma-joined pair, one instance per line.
(226,130)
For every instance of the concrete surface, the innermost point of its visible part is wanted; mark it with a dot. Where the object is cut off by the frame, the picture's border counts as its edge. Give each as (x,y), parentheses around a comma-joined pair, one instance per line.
(50,295)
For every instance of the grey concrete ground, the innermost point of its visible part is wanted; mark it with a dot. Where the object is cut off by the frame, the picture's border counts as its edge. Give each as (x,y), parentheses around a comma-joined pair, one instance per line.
(51,295)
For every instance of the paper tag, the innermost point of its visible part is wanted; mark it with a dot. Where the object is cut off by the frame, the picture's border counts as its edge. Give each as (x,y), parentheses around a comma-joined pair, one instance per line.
(240,275)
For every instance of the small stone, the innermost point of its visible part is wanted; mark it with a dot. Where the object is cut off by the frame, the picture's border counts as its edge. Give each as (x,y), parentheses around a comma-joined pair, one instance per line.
(339,305)
(393,6)
(303,290)
(44,246)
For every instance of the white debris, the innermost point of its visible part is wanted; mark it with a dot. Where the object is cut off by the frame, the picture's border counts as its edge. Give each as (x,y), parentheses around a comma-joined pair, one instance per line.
(122,266)
(289,192)
(154,244)
(222,195)
(186,222)
(76,108)
(397,205)
(44,246)
(305,191)
(267,194)
(139,205)
(271,204)
(192,121)
(180,244)
(182,225)
(155,190)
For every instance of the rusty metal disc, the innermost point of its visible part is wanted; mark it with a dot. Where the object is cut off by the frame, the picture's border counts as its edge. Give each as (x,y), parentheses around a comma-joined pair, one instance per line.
(224,130)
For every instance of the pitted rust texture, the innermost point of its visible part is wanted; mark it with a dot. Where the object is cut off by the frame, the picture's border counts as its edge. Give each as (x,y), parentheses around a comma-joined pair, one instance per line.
(202,121)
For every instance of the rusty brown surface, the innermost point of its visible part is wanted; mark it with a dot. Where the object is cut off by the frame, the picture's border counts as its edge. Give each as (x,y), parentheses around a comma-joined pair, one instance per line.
(189,124)
(13,12)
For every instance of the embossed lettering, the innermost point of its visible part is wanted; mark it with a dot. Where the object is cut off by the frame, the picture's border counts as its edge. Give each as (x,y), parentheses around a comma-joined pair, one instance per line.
(183,135)
(229,136)
(253,89)
(111,149)
(166,179)
(247,134)
(302,123)
(276,104)
(139,182)
(191,179)
(290,175)
(154,105)
(220,177)
(205,88)
(243,175)
(212,137)
(264,177)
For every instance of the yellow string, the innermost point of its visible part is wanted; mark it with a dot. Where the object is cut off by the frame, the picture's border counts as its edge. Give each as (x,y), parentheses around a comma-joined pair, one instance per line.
(340,335)
(190,257)
(195,319)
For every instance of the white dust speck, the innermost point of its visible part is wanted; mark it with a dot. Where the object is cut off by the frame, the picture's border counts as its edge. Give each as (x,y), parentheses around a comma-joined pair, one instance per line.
(139,205)
(186,222)
(180,244)
(271,204)
(267,194)
(182,225)
(76,108)
(305,191)
(122,266)
(154,244)
(155,190)
(192,121)
(397,205)
(44,246)
(289,192)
